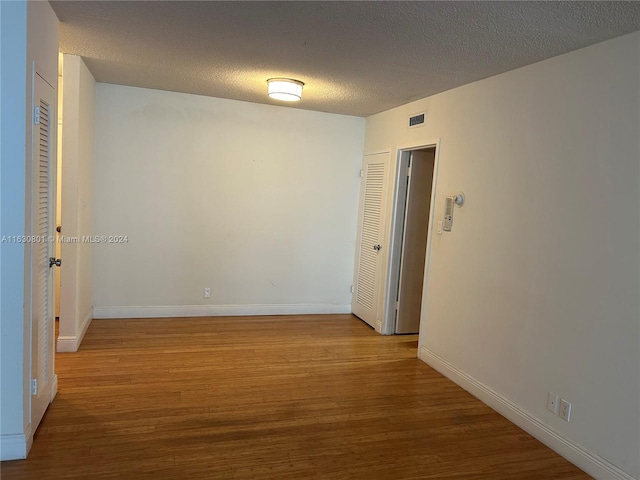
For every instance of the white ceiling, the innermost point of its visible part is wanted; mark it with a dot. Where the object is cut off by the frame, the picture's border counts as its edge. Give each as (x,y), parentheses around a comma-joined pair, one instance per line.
(356,58)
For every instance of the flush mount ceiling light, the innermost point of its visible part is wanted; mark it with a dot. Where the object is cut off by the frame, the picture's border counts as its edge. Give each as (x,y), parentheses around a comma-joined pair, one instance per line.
(285,89)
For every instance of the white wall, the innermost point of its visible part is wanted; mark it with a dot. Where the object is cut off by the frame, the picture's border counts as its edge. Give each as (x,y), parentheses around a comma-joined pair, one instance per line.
(76,297)
(257,202)
(13,31)
(536,288)
(29,34)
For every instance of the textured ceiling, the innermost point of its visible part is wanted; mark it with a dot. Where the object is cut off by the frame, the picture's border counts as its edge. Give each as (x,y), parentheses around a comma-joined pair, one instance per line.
(356,58)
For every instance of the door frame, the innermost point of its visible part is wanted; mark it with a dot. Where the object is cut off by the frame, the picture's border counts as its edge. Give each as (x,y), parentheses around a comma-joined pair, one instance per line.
(395,232)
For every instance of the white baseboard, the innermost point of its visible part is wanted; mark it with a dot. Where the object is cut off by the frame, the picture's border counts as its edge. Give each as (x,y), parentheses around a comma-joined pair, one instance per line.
(216,310)
(584,459)
(71,343)
(17,446)
(67,344)
(54,387)
(86,321)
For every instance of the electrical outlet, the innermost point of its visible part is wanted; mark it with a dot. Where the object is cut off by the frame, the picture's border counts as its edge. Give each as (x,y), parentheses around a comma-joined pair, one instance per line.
(552,402)
(565,410)
(207,293)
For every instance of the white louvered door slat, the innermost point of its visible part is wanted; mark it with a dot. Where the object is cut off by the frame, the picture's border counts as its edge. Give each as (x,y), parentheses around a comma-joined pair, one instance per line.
(41,250)
(367,281)
(42,209)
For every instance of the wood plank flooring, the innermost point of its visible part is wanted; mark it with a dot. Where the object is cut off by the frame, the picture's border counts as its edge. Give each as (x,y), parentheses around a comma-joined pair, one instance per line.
(299,397)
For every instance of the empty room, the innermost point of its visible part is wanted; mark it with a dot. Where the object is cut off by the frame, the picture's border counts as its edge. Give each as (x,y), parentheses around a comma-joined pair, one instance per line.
(338,240)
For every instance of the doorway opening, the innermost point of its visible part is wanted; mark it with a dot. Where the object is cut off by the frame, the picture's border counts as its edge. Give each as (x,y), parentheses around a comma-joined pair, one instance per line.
(411,227)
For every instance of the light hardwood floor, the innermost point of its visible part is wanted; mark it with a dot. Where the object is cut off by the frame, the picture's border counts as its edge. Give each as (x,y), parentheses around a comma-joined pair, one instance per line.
(300,397)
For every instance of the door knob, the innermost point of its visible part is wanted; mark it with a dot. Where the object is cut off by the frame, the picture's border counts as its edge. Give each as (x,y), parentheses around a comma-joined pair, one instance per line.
(377,248)
(54,261)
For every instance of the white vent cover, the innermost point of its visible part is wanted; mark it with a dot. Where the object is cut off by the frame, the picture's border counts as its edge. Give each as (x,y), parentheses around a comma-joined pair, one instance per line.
(417,120)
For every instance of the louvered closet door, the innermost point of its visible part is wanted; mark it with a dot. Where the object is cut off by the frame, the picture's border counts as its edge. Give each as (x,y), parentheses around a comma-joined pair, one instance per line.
(42,220)
(371,248)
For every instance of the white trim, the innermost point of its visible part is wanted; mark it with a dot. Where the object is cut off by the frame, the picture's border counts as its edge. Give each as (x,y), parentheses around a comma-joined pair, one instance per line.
(54,387)
(85,325)
(588,461)
(17,446)
(67,343)
(71,343)
(377,152)
(393,257)
(216,310)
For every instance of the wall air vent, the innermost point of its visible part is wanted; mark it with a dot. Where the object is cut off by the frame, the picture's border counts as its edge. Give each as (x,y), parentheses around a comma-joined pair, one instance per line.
(416,120)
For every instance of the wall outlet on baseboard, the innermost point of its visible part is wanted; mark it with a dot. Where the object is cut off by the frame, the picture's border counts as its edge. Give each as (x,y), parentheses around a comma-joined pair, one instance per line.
(207,293)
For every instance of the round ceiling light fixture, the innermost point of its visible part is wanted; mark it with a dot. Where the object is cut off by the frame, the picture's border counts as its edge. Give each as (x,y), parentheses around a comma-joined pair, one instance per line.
(285,89)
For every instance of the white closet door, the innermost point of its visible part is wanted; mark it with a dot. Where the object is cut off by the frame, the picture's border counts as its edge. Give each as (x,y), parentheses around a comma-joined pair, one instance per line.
(42,228)
(371,246)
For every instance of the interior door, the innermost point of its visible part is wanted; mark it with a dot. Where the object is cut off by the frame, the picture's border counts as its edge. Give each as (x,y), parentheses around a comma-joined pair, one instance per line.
(371,246)
(42,248)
